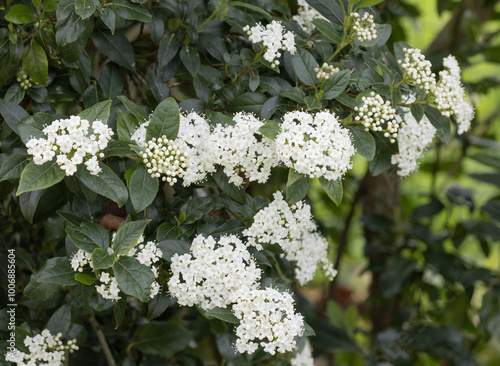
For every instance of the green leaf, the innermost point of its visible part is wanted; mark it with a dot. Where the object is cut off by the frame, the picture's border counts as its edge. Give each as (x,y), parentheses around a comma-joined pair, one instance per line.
(126,125)
(308,331)
(165,120)
(60,320)
(158,305)
(251,7)
(295,94)
(296,187)
(108,17)
(236,193)
(88,236)
(303,64)
(82,294)
(69,30)
(12,167)
(363,141)
(159,88)
(12,114)
(29,202)
(492,208)
(117,148)
(142,188)
(197,207)
(60,274)
(84,8)
(440,122)
(137,112)
(32,126)
(271,129)
(84,278)
(171,247)
(330,9)
(120,309)
(335,84)
(15,94)
(129,10)
(333,189)
(106,183)
(161,338)
(168,48)
(133,278)
(101,259)
(35,62)
(35,177)
(20,14)
(327,29)
(417,111)
(366,3)
(98,112)
(127,235)
(224,314)
(117,47)
(111,80)
(190,59)
(248,102)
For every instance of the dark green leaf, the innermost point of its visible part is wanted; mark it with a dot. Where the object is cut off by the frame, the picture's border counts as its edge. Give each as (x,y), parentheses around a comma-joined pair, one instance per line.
(35,177)
(236,193)
(160,89)
(35,62)
(335,84)
(133,278)
(69,30)
(32,126)
(129,10)
(111,80)
(441,123)
(190,59)
(88,236)
(366,3)
(61,274)
(101,259)
(224,314)
(327,29)
(82,294)
(127,235)
(108,17)
(251,7)
(165,120)
(138,112)
(303,64)
(142,188)
(84,278)
(296,187)
(294,94)
(492,208)
(106,183)
(14,94)
(271,129)
(169,46)
(161,338)
(117,148)
(84,8)
(248,102)
(98,112)
(198,207)
(12,167)
(120,309)
(171,247)
(117,47)
(417,111)
(363,141)
(60,320)
(330,9)
(333,189)
(29,202)
(157,305)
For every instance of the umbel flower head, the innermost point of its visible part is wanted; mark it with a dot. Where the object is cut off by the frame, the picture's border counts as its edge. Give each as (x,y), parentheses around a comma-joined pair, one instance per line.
(317,146)
(377,115)
(325,71)
(211,274)
(164,158)
(43,349)
(72,141)
(417,70)
(267,319)
(274,38)
(364,27)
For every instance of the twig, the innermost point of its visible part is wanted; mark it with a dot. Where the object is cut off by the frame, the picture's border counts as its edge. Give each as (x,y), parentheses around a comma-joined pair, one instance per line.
(102,340)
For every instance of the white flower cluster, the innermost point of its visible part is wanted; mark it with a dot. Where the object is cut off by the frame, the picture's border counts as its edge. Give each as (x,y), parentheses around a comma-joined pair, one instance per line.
(24,80)
(304,357)
(305,15)
(450,95)
(164,158)
(413,139)
(72,142)
(273,38)
(364,27)
(325,71)
(212,273)
(237,149)
(377,115)
(267,318)
(317,146)
(44,349)
(294,230)
(146,253)
(417,70)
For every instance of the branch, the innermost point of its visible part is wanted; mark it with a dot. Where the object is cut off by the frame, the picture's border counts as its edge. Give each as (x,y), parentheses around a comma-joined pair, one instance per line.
(102,340)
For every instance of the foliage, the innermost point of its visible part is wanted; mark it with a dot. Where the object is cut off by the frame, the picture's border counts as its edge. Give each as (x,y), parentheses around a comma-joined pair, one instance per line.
(125,62)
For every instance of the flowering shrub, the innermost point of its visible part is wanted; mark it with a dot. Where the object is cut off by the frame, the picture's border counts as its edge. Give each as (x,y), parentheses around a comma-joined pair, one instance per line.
(164,156)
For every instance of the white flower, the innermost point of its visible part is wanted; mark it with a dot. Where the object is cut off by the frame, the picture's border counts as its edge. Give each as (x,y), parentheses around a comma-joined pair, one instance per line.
(304,357)
(325,71)
(316,146)
(364,27)
(274,38)
(71,141)
(267,319)
(417,70)
(80,259)
(237,149)
(377,115)
(450,95)
(413,139)
(211,274)
(293,229)
(305,15)
(109,289)
(43,349)
(164,158)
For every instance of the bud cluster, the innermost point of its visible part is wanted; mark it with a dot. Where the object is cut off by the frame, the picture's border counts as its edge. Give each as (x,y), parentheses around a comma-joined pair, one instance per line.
(364,27)
(417,70)
(325,71)
(24,80)
(377,115)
